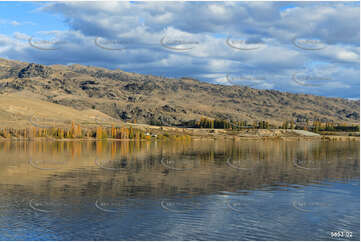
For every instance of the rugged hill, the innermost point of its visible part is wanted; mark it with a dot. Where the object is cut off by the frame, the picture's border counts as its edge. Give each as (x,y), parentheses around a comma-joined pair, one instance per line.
(157,100)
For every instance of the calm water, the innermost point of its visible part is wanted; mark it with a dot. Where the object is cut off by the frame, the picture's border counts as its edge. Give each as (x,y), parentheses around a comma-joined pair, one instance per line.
(199,190)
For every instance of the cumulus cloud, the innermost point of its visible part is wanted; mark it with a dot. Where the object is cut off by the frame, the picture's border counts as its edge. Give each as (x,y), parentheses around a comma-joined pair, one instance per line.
(204,40)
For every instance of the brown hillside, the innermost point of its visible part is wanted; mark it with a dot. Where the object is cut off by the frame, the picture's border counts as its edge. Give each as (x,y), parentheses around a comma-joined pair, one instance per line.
(157,100)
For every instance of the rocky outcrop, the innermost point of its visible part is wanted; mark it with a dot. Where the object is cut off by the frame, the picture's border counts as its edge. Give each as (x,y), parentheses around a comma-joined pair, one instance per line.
(166,101)
(35,70)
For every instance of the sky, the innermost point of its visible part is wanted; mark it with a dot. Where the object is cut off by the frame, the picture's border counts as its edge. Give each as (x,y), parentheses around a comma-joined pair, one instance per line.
(298,47)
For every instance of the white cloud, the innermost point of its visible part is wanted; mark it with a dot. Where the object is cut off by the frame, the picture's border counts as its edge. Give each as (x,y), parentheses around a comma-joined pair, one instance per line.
(139,27)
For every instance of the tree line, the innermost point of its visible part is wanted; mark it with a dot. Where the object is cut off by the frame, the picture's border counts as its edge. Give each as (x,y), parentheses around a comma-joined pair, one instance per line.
(206,123)
(75,132)
(315,126)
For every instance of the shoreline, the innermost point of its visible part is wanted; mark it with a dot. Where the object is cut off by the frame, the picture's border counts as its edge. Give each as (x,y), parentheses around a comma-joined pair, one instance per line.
(144,132)
(196,138)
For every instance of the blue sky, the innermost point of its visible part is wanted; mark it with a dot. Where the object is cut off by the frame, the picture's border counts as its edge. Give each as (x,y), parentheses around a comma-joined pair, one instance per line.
(29,19)
(297,47)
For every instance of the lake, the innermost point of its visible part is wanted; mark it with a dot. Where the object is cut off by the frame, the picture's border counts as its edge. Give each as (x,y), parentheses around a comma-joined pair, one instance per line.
(180,190)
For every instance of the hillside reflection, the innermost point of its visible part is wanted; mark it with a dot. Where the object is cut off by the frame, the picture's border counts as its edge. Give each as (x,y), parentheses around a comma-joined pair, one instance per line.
(155,169)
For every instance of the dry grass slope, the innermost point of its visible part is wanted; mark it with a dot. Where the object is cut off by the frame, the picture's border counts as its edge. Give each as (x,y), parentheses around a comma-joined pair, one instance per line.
(152,100)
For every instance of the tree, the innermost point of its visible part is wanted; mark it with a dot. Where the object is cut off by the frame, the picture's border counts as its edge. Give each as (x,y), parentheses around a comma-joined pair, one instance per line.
(99,133)
(73,131)
(114,133)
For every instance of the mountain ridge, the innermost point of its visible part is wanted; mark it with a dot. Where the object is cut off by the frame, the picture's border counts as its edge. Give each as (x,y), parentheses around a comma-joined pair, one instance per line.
(165,101)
